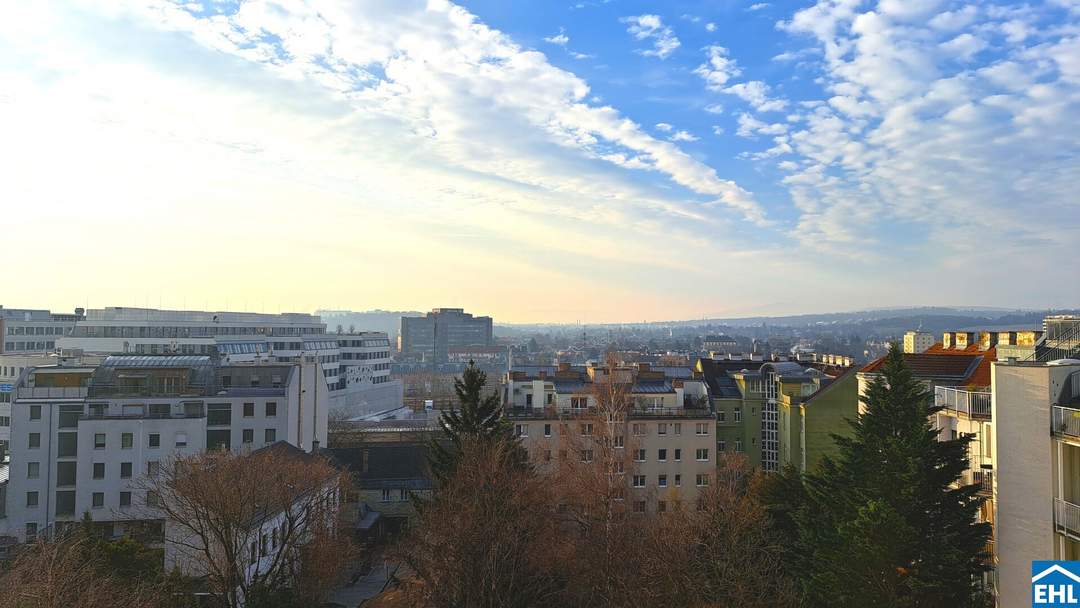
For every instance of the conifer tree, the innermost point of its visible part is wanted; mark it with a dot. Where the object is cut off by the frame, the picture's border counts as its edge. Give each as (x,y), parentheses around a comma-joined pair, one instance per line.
(887,523)
(476,417)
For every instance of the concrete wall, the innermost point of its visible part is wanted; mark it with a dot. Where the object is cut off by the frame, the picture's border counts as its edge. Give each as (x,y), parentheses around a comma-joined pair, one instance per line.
(1023,486)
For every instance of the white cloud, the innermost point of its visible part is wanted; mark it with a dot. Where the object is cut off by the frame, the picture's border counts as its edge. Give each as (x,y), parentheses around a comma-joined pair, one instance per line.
(579,56)
(683,136)
(560,39)
(663,126)
(756,93)
(758,6)
(644,27)
(964,47)
(710,27)
(714,108)
(751,127)
(718,69)
(717,130)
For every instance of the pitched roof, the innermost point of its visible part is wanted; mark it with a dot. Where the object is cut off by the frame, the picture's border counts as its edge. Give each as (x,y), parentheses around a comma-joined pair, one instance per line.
(967,366)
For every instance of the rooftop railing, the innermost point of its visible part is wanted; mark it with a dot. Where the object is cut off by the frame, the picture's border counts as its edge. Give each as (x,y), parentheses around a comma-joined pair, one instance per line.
(973,404)
(52,392)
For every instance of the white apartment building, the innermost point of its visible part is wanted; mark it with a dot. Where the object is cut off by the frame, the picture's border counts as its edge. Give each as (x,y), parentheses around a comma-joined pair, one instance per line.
(1036,412)
(918,341)
(28,331)
(83,435)
(355,367)
(668,431)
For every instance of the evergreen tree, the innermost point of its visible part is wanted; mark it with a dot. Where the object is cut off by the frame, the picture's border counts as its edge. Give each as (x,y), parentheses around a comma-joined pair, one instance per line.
(886,523)
(477,417)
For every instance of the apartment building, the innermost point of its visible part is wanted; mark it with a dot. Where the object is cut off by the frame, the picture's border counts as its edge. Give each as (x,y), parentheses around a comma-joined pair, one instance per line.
(29,331)
(430,337)
(918,341)
(667,428)
(83,435)
(1036,491)
(763,406)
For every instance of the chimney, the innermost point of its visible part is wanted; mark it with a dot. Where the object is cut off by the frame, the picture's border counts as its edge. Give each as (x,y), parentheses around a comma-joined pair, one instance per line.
(564,367)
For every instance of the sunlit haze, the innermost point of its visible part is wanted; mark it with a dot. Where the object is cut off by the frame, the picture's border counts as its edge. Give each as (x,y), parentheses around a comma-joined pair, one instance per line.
(593,161)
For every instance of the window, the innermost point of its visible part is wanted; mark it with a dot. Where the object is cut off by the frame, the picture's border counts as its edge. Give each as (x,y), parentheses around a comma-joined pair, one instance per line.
(67,445)
(678,454)
(154,440)
(620,441)
(152,468)
(99,470)
(579,403)
(35,412)
(31,532)
(702,428)
(31,499)
(218,439)
(678,428)
(152,498)
(218,414)
(386,495)
(639,428)
(639,506)
(678,480)
(125,470)
(403,494)
(702,480)
(127,440)
(639,455)
(721,415)
(721,445)
(738,414)
(271,409)
(547,430)
(99,441)
(249,436)
(521,430)
(586,429)
(738,445)
(662,481)
(661,454)
(33,470)
(125,499)
(65,502)
(181,440)
(160,410)
(620,467)
(702,454)
(661,429)
(249,410)
(97,500)
(661,506)
(550,398)
(639,481)
(270,435)
(586,455)
(528,400)
(34,441)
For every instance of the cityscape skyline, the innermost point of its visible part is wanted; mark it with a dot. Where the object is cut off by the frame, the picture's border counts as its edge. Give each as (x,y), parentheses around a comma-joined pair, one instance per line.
(772,158)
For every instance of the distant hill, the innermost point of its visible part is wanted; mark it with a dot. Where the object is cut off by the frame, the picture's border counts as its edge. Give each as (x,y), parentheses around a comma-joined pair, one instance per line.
(388,321)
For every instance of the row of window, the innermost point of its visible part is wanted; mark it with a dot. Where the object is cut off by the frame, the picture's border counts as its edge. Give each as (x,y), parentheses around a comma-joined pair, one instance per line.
(639,481)
(639,429)
(365,356)
(143,331)
(736,415)
(46,345)
(10,371)
(65,503)
(36,331)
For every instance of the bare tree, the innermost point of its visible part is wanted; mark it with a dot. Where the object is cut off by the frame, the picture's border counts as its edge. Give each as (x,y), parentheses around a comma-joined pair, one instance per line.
(67,572)
(265,522)
(489,538)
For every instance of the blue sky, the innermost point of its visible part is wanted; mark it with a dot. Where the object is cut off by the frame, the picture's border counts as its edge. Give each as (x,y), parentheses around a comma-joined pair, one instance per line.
(585,161)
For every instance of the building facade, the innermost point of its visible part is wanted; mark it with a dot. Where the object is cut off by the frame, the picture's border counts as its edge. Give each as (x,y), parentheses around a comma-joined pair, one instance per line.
(918,341)
(1036,491)
(26,331)
(430,337)
(84,435)
(665,427)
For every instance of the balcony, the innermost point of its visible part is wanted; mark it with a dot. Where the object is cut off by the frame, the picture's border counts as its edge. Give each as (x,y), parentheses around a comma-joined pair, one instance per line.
(985,479)
(1067,518)
(972,404)
(1066,422)
(52,392)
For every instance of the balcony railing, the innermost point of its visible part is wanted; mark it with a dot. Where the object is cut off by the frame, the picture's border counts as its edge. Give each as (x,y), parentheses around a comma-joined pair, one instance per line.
(973,404)
(1066,421)
(985,479)
(52,392)
(635,412)
(1067,518)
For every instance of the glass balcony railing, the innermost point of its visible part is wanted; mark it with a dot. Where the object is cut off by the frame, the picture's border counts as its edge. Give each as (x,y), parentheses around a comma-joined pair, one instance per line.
(973,404)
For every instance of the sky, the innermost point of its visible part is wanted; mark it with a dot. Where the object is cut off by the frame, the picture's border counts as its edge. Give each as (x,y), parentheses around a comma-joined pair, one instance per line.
(540,161)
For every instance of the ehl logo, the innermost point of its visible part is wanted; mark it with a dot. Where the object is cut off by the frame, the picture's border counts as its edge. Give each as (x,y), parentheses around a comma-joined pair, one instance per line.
(1055,584)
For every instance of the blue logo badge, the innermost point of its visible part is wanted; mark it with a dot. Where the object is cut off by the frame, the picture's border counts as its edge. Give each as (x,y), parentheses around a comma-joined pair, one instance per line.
(1055,584)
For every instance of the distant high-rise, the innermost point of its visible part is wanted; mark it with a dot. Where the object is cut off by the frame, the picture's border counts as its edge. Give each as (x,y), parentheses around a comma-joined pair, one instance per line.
(431,336)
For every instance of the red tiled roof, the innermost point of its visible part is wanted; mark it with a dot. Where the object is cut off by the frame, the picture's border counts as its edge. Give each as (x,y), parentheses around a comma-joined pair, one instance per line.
(970,365)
